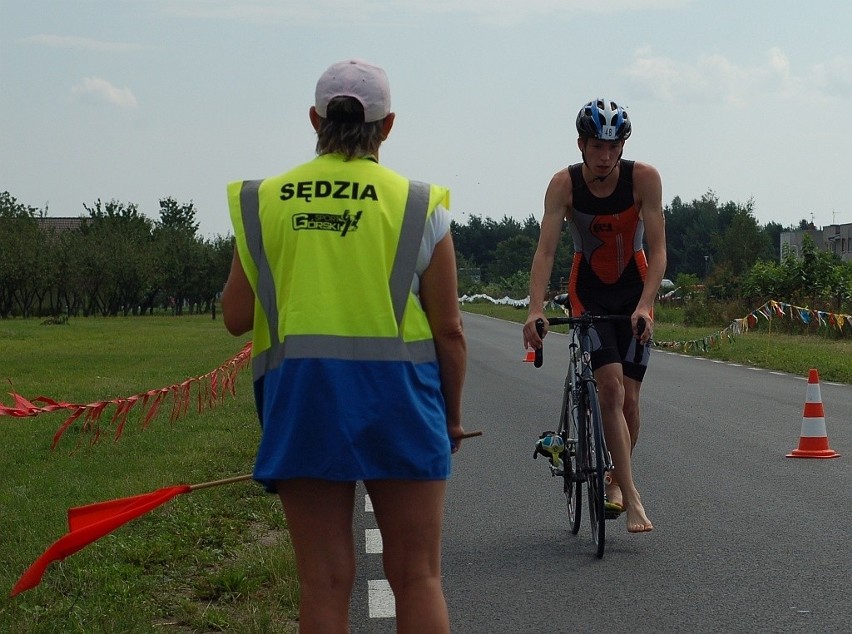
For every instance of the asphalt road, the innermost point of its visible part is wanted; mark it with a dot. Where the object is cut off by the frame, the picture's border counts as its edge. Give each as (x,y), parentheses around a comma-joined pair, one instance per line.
(746,539)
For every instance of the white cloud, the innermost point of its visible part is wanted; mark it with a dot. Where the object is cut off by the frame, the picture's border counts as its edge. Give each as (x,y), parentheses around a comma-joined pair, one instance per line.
(323,12)
(834,77)
(73,42)
(662,77)
(715,78)
(101,90)
(502,12)
(511,12)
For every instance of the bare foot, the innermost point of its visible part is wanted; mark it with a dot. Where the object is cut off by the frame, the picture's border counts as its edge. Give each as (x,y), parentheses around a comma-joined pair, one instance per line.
(637,521)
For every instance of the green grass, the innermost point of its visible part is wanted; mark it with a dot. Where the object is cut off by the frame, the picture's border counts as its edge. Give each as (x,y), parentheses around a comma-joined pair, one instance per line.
(763,348)
(214,559)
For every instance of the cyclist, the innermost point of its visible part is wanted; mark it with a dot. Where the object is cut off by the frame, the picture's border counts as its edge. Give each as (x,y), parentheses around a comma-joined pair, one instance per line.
(610,204)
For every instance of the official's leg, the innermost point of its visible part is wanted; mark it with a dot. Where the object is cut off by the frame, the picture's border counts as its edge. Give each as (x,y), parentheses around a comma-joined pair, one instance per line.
(319,518)
(410,517)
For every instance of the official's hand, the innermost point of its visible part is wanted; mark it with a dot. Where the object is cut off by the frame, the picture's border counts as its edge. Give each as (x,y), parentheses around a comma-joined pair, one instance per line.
(456,433)
(460,434)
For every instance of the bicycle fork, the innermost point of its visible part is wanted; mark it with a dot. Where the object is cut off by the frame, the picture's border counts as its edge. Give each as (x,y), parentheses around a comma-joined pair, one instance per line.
(608,465)
(573,446)
(582,474)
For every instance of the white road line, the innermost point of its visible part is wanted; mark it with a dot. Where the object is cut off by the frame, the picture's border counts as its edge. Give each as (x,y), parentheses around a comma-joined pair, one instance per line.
(380,599)
(379,594)
(374,541)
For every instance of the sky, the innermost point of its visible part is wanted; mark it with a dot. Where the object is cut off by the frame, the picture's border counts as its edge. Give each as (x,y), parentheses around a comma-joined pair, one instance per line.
(140,100)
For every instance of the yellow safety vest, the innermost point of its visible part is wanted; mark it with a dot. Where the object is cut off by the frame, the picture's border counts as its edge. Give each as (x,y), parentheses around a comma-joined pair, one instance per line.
(330,249)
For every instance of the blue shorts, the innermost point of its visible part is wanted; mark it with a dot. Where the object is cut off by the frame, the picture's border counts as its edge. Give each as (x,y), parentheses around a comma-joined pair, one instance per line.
(351,420)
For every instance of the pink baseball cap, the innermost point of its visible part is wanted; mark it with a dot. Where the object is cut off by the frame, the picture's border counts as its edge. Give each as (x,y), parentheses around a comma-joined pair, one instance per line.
(360,80)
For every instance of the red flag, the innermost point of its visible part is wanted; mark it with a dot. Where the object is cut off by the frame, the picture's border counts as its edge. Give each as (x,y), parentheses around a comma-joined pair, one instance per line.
(89,523)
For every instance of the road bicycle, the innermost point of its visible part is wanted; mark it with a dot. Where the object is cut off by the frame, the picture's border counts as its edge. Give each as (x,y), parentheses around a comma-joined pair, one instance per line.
(577,451)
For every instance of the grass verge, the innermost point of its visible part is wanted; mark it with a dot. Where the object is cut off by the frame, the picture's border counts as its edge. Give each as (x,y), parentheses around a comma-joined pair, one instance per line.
(217,559)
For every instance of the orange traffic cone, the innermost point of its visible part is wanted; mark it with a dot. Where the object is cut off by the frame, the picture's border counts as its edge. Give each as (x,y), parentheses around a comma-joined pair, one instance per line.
(813,442)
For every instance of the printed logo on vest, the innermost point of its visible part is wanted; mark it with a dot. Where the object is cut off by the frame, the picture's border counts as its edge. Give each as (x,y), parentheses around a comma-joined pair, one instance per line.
(341,190)
(339,223)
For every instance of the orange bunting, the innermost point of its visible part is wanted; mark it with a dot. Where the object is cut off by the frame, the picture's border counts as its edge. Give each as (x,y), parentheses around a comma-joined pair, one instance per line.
(211,388)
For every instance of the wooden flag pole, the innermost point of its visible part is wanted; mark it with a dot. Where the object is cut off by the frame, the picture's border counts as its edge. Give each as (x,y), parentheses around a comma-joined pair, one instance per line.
(215,483)
(248,476)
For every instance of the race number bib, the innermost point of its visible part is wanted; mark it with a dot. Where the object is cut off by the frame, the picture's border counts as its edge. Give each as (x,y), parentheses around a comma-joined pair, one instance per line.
(608,132)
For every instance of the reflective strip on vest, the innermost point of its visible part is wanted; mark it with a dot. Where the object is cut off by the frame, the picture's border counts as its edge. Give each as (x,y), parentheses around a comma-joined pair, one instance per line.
(331,346)
(250,208)
(410,236)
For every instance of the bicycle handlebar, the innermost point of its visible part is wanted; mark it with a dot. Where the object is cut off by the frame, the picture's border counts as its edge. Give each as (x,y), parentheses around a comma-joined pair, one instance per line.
(586,319)
(539,352)
(640,347)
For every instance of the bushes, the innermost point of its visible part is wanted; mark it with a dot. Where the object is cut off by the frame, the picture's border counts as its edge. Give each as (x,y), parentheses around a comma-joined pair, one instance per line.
(818,280)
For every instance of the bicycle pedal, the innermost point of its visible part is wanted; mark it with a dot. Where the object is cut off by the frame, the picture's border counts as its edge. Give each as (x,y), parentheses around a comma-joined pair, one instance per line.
(612,514)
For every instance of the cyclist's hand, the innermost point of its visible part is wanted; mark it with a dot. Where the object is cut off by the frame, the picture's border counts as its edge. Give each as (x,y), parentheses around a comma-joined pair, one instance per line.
(531,337)
(643,326)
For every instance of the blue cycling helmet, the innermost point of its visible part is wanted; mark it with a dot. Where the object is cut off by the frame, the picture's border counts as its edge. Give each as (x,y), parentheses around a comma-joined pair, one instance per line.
(603,119)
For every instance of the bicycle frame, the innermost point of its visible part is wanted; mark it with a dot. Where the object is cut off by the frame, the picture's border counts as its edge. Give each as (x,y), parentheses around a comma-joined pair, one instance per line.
(583,379)
(587,459)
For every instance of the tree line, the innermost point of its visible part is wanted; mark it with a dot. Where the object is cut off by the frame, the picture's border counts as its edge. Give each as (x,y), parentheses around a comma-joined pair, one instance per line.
(118,262)
(719,247)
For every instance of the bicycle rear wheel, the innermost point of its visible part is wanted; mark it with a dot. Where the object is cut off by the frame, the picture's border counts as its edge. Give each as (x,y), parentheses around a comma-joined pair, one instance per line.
(572,469)
(596,468)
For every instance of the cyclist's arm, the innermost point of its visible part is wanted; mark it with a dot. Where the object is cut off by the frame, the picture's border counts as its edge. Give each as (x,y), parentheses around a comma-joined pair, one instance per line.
(650,196)
(557,200)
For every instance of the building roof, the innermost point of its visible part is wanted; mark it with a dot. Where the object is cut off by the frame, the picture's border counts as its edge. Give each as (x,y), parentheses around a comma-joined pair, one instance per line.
(60,223)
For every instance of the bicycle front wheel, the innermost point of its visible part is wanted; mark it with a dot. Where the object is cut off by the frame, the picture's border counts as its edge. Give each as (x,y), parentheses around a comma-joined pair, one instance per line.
(572,470)
(596,468)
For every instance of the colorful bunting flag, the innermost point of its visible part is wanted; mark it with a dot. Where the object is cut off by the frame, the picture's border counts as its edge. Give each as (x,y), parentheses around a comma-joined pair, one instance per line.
(742,325)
